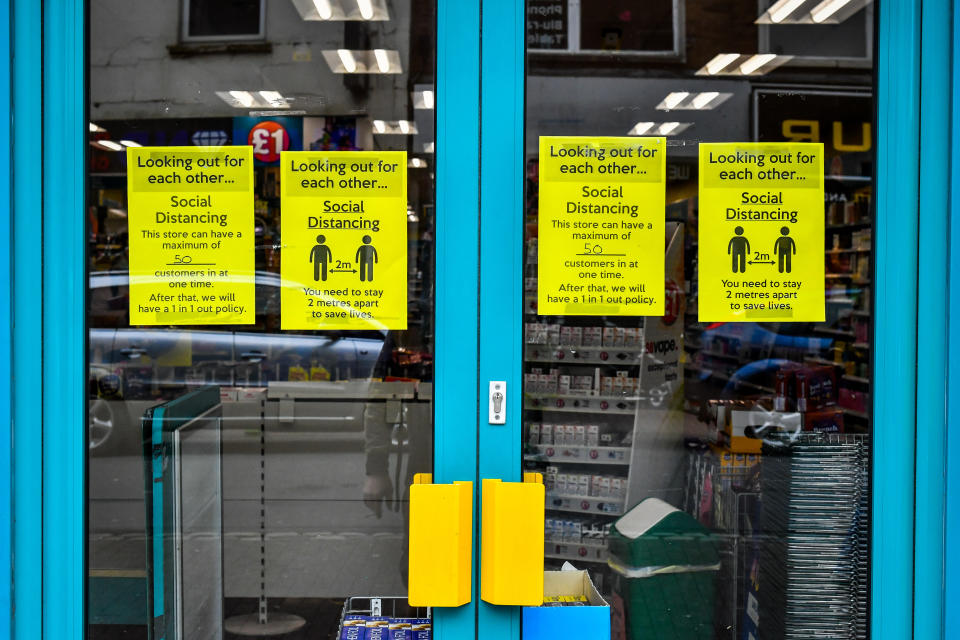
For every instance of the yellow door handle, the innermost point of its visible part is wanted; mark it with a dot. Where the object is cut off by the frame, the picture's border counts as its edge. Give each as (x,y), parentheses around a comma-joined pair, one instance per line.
(511,541)
(441,543)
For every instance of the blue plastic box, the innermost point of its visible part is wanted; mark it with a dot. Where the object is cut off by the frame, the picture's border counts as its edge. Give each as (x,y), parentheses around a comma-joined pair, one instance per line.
(549,623)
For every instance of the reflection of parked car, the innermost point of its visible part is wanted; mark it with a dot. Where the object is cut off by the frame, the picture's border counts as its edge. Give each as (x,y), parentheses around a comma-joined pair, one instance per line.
(157,362)
(129,365)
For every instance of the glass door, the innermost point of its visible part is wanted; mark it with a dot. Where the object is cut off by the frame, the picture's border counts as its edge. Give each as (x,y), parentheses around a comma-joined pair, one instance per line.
(265,326)
(705,439)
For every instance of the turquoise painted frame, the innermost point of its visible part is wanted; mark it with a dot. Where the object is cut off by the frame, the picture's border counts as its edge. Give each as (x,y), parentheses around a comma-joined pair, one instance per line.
(932,282)
(895,313)
(64,373)
(951,559)
(26,399)
(502,84)
(6,334)
(456,399)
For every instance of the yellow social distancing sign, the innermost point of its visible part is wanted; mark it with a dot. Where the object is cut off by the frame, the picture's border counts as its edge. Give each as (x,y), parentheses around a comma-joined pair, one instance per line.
(190,222)
(601,226)
(343,259)
(761,233)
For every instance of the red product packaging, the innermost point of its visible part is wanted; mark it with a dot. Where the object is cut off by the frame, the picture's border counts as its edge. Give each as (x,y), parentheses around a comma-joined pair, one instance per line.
(826,421)
(816,387)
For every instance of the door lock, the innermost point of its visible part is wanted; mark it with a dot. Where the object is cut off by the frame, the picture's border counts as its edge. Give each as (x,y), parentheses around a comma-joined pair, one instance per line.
(498,402)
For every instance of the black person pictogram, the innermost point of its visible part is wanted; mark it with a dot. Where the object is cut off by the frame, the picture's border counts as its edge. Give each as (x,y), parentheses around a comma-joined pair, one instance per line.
(785,248)
(739,247)
(366,256)
(319,256)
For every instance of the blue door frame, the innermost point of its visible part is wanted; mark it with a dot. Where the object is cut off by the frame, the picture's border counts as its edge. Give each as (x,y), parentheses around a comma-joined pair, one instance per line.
(916,506)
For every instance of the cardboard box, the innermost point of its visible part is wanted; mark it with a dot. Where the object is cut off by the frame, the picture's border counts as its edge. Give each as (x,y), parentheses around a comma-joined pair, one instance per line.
(591,620)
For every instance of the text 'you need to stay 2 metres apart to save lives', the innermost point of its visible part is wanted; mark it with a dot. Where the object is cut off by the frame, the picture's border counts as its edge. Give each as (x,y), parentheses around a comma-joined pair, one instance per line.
(190,222)
(761,243)
(344,230)
(601,226)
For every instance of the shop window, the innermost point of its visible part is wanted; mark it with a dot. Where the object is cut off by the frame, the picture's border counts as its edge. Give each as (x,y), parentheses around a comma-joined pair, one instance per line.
(223,19)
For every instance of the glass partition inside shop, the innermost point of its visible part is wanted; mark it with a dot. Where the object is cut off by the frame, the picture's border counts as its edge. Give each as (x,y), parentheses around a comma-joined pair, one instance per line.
(712,477)
(243,478)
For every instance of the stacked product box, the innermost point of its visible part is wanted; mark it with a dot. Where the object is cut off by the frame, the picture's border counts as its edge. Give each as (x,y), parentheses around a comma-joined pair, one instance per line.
(575,336)
(360,627)
(585,485)
(574,530)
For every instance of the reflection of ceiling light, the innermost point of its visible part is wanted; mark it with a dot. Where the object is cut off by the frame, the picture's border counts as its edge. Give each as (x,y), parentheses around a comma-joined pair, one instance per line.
(340,10)
(130,143)
(324,10)
(659,129)
(704,99)
(755,62)
(395,127)
(685,100)
(827,8)
(273,98)
(743,64)
(363,61)
(243,97)
(264,99)
(428,147)
(383,60)
(810,12)
(96,129)
(780,10)
(417,163)
(366,9)
(423,99)
(110,144)
(347,59)
(675,98)
(720,62)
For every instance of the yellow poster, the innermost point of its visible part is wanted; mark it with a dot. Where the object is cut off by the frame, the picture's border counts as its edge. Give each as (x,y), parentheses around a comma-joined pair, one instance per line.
(601,226)
(191,235)
(761,238)
(343,260)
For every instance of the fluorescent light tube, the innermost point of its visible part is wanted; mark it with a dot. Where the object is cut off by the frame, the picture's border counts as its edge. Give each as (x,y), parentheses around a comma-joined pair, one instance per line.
(130,143)
(243,97)
(404,126)
(667,128)
(366,9)
(641,128)
(756,62)
(675,98)
(383,60)
(96,129)
(347,59)
(324,10)
(379,125)
(428,99)
(782,9)
(705,98)
(110,144)
(827,8)
(720,62)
